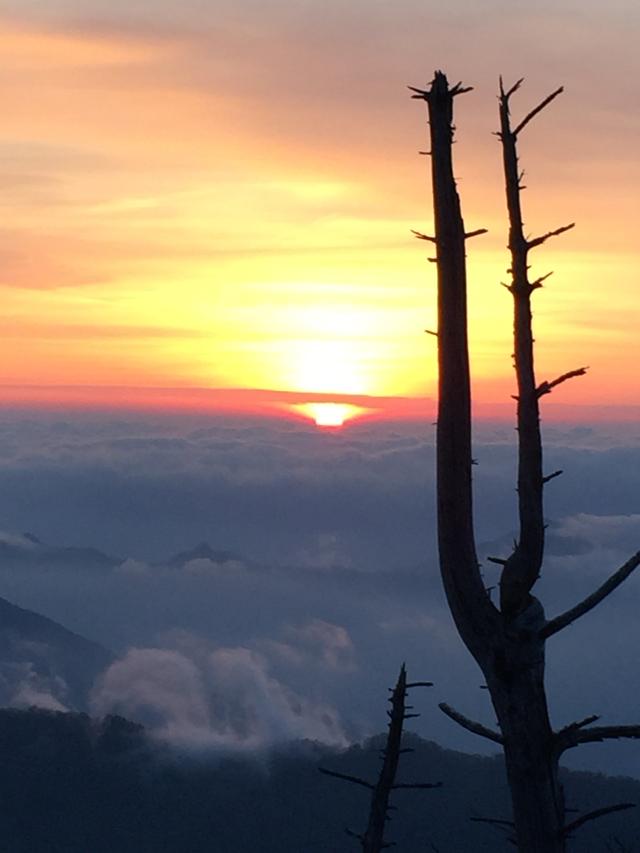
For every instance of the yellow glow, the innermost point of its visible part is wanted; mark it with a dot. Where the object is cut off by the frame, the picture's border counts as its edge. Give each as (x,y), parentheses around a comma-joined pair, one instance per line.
(329,414)
(327,367)
(167,229)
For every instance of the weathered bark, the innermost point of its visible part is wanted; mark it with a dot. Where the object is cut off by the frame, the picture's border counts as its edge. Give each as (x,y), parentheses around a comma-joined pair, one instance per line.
(508,644)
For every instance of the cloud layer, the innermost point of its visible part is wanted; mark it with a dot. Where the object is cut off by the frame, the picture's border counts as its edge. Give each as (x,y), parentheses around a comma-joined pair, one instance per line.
(321,577)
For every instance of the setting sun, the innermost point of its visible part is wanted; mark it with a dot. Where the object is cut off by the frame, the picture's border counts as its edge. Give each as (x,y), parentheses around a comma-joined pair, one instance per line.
(330,415)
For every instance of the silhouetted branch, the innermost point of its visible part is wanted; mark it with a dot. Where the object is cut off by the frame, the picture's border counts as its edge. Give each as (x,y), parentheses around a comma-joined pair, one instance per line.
(579,724)
(476,233)
(568,738)
(422,236)
(347,778)
(538,241)
(534,112)
(535,285)
(425,94)
(505,825)
(419,683)
(424,785)
(545,387)
(522,569)
(513,89)
(459,89)
(552,476)
(596,813)
(470,725)
(353,834)
(493,820)
(560,622)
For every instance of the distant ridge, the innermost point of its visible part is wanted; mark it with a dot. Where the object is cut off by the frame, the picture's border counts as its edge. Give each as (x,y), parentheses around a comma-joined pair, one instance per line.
(28,549)
(202,551)
(43,663)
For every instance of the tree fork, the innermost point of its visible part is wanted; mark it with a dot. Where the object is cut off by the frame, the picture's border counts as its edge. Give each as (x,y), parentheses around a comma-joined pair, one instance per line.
(507,645)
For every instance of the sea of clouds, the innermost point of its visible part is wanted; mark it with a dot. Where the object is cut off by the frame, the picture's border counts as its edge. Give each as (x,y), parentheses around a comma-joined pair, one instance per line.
(323,576)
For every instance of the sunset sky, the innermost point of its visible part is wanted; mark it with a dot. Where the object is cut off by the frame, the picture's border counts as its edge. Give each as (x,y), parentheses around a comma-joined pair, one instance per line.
(209,194)
(206,247)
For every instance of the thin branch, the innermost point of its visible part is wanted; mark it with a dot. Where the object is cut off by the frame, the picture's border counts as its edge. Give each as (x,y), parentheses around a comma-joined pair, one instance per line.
(431,332)
(459,89)
(534,112)
(512,90)
(537,284)
(579,724)
(493,820)
(424,785)
(476,233)
(591,601)
(596,813)
(419,684)
(355,779)
(552,476)
(420,93)
(424,94)
(545,387)
(422,236)
(353,834)
(470,725)
(538,241)
(566,739)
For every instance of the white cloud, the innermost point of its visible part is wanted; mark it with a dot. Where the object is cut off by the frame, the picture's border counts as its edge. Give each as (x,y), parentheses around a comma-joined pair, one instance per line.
(330,644)
(602,531)
(221,698)
(23,687)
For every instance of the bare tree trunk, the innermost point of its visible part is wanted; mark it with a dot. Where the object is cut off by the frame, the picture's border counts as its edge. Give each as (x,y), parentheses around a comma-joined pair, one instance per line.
(509,643)
(531,759)
(373,841)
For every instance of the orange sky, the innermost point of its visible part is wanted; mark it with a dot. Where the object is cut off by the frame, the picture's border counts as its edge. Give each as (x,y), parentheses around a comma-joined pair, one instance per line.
(220,198)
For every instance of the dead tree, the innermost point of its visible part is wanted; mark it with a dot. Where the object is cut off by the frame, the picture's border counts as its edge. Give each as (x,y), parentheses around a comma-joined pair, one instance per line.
(372,841)
(508,641)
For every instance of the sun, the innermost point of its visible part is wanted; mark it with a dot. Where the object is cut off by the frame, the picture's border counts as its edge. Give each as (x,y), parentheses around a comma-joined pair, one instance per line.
(329,415)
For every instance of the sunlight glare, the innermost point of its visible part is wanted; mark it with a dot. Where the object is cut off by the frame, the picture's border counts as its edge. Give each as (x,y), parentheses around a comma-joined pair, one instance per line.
(328,367)
(329,414)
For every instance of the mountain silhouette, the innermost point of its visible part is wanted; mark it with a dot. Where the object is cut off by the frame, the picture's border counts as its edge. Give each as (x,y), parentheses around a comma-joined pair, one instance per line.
(43,663)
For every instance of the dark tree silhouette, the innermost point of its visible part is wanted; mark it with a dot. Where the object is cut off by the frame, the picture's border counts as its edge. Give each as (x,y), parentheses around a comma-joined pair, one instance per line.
(508,641)
(373,841)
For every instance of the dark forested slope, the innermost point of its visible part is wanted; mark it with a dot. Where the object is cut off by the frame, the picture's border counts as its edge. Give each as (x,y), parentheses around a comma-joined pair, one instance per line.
(70,784)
